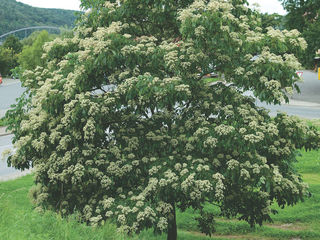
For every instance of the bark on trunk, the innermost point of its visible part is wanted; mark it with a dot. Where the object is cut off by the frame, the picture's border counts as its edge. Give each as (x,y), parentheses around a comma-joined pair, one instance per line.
(172,225)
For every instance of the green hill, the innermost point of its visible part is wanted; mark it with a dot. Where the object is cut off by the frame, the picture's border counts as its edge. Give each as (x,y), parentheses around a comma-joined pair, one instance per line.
(15,15)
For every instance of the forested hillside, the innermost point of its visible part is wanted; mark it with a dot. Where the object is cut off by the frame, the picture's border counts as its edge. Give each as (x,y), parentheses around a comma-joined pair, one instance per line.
(15,15)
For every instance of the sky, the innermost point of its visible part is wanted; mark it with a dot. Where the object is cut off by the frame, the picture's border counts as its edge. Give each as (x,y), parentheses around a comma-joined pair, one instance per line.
(63,4)
(269,6)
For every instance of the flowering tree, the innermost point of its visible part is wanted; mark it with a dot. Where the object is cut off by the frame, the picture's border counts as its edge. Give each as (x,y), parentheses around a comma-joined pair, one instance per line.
(121,125)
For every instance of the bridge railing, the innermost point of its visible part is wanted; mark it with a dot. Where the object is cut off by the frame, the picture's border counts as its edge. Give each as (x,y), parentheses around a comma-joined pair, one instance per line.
(25,29)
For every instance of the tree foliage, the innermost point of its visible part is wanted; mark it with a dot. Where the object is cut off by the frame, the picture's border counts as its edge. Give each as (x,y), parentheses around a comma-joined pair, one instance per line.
(274,20)
(9,52)
(30,57)
(300,12)
(304,16)
(8,60)
(13,43)
(121,125)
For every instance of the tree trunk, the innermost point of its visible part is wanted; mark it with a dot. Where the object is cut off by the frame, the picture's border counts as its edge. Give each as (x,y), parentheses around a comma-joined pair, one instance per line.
(172,225)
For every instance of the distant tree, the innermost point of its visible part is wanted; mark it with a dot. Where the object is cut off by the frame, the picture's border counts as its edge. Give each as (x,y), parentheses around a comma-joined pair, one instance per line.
(30,56)
(66,32)
(28,41)
(160,139)
(13,43)
(8,60)
(304,15)
(274,20)
(300,12)
(312,36)
(9,51)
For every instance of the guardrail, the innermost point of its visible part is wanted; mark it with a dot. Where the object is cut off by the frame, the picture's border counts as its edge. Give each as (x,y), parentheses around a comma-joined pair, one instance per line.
(27,28)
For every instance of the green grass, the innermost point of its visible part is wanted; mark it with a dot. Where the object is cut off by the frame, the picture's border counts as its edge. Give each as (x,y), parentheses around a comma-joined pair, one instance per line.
(211,79)
(313,122)
(19,221)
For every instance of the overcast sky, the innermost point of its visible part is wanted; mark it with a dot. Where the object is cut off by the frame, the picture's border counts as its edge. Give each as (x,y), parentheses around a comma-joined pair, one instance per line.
(64,4)
(269,6)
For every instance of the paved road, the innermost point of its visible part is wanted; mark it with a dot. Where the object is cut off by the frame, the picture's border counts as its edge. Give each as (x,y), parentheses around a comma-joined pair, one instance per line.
(9,91)
(5,143)
(305,104)
(6,172)
(310,88)
(309,112)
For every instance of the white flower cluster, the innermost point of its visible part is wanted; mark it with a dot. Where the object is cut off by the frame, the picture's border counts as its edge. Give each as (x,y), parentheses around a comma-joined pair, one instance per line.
(210,142)
(219,188)
(224,129)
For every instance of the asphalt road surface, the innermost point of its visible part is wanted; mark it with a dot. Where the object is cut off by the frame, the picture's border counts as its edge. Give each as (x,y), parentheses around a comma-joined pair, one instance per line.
(310,88)
(305,104)
(309,112)
(10,89)
(7,173)
(5,143)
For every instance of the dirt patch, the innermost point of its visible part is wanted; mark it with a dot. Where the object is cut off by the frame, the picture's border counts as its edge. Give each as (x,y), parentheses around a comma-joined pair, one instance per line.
(288,226)
(242,237)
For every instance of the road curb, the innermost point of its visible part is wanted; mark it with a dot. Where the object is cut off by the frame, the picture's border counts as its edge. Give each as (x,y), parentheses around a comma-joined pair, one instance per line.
(9,81)
(4,132)
(293,102)
(16,175)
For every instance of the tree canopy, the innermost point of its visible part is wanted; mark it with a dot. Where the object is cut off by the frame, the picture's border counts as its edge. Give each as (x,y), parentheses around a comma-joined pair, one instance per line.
(122,127)
(30,57)
(304,16)
(300,12)
(9,52)
(274,20)
(17,56)
(13,43)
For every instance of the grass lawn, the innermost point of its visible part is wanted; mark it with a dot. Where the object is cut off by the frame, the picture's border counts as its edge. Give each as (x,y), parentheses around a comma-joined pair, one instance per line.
(211,79)
(18,220)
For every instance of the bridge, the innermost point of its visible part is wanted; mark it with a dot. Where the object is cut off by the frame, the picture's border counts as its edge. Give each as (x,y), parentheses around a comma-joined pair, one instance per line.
(26,29)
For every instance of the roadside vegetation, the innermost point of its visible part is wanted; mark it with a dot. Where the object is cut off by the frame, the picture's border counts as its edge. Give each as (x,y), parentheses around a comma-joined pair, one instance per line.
(16,55)
(3,122)
(19,220)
